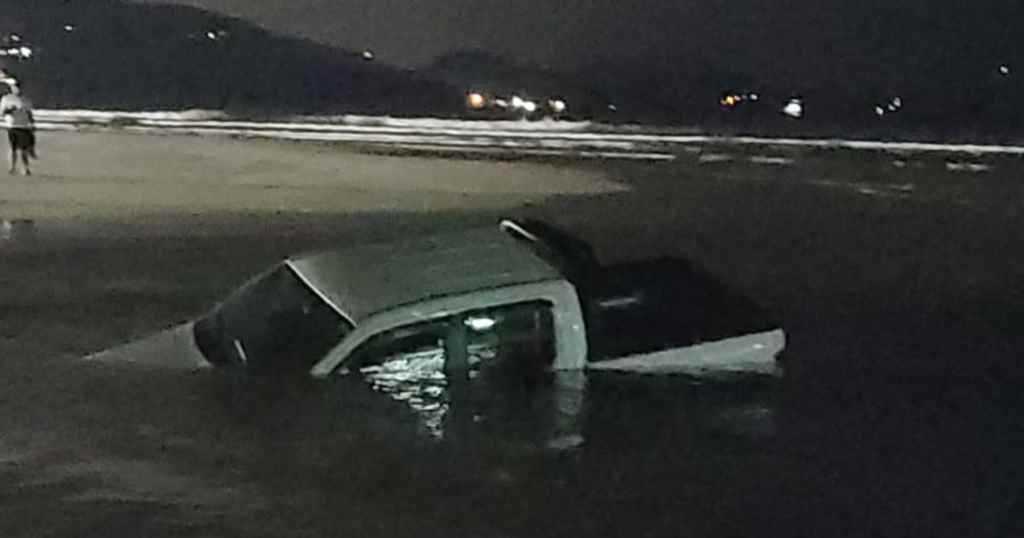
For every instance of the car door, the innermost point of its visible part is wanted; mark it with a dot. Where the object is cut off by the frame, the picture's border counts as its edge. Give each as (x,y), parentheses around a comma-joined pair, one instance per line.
(459,360)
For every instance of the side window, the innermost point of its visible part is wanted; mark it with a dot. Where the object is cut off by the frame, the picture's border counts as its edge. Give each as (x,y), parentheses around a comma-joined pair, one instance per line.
(407,364)
(519,335)
(415,364)
(514,339)
(410,345)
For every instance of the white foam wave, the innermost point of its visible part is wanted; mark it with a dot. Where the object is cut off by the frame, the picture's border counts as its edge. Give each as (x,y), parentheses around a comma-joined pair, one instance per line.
(513,134)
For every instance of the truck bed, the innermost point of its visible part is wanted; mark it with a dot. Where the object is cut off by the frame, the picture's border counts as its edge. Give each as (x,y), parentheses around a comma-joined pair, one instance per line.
(650,306)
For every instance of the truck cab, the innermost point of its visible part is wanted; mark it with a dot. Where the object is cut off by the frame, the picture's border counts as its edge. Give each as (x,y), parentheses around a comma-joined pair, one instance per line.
(521,294)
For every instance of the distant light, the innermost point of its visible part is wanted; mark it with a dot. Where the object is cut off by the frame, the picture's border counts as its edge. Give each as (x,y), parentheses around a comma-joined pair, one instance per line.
(211,35)
(879,111)
(517,102)
(612,107)
(501,103)
(368,55)
(18,52)
(15,38)
(529,106)
(475,100)
(794,108)
(734,99)
(557,106)
(69,28)
(1004,70)
(894,105)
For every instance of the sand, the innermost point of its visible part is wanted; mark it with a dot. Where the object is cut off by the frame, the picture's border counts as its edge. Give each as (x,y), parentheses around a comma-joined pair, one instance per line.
(118,174)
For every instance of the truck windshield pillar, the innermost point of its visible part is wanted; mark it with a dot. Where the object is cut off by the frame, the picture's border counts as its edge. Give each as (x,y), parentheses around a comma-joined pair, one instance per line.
(456,362)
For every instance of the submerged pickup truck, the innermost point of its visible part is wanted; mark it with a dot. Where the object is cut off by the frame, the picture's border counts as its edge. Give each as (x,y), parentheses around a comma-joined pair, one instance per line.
(523,295)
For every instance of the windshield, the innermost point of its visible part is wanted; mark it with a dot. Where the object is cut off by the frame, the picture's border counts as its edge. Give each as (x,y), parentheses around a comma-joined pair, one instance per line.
(277,322)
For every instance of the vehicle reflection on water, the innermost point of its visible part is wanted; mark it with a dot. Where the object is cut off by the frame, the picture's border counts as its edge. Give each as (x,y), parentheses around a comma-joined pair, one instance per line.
(553,411)
(701,456)
(420,382)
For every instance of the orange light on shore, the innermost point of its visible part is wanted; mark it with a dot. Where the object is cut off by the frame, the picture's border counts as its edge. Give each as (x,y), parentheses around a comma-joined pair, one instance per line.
(475,100)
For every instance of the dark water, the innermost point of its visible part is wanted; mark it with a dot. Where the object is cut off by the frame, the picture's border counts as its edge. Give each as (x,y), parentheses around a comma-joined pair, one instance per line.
(664,456)
(899,414)
(199,453)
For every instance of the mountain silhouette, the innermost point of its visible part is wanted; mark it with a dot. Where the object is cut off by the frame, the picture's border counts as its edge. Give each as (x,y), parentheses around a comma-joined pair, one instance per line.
(109,54)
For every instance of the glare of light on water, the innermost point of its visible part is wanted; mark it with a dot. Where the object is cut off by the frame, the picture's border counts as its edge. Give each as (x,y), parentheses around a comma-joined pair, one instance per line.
(890,190)
(748,420)
(761,159)
(714,158)
(417,380)
(967,167)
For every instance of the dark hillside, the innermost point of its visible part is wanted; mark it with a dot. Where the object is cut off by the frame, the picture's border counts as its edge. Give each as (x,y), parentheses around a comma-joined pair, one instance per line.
(112,54)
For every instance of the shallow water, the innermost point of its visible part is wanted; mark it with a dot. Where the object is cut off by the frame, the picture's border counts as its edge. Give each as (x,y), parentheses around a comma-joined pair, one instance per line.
(201,452)
(899,414)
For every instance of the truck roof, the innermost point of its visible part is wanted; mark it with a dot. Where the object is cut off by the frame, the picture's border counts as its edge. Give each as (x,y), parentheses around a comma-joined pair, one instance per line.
(363,280)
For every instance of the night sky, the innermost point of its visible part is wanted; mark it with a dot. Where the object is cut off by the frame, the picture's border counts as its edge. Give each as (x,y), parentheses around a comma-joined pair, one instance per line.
(414,32)
(574,32)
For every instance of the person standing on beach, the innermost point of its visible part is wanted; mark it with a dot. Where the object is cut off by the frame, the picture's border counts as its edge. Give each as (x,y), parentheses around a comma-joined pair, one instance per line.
(21,128)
